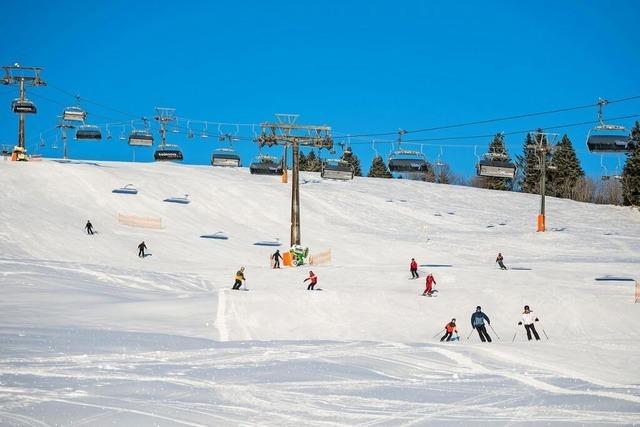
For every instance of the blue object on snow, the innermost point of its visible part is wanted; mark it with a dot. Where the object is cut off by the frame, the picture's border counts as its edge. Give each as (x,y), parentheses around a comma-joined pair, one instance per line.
(181,200)
(127,189)
(219,235)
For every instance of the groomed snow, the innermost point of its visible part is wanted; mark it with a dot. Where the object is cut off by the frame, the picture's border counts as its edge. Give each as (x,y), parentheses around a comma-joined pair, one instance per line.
(90,334)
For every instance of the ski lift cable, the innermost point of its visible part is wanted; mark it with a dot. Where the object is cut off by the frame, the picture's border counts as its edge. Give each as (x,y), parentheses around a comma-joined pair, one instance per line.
(90,101)
(517,132)
(499,119)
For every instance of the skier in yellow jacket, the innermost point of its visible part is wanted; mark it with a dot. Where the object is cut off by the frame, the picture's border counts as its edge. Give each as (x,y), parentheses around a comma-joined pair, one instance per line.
(239,279)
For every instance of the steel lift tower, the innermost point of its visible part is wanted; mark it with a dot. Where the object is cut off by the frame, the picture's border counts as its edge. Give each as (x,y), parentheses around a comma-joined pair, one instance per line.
(22,77)
(286,132)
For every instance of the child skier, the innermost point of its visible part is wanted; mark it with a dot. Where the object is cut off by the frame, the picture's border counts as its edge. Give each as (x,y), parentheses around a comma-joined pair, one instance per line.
(500,261)
(239,279)
(313,280)
(528,319)
(429,285)
(449,328)
(414,268)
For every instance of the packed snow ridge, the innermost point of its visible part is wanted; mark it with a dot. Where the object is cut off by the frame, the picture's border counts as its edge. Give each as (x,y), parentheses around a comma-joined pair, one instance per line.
(92,334)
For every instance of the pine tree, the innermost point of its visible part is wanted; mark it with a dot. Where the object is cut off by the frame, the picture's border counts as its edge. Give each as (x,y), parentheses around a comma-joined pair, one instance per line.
(378,168)
(564,179)
(529,165)
(631,171)
(498,148)
(313,162)
(302,161)
(353,160)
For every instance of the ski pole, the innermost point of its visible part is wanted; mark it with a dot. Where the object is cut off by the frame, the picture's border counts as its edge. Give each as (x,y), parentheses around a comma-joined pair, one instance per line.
(543,331)
(439,332)
(494,331)
(515,333)
(470,333)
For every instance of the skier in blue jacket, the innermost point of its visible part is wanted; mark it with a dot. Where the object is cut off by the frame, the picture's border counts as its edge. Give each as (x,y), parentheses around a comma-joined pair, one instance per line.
(477,322)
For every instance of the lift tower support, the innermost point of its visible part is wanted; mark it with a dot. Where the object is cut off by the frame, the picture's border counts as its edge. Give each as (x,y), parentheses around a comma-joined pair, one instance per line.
(286,132)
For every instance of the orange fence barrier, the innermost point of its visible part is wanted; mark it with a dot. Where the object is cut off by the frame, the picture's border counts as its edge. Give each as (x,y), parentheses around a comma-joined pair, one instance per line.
(139,221)
(541,225)
(287,259)
(637,292)
(321,258)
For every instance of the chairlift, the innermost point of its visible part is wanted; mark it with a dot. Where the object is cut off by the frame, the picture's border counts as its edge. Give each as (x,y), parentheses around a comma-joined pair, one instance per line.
(141,138)
(23,106)
(168,152)
(74,114)
(88,132)
(108,132)
(226,157)
(189,130)
(123,135)
(495,165)
(180,200)
(127,189)
(41,144)
(407,163)
(336,169)
(266,165)
(607,138)
(204,134)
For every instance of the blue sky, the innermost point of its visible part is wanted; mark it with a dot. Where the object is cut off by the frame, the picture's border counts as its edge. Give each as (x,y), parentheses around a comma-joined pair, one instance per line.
(360,67)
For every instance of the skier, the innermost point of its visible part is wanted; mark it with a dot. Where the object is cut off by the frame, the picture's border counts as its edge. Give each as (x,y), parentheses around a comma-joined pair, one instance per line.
(239,279)
(414,268)
(477,322)
(449,328)
(429,285)
(89,227)
(141,248)
(528,319)
(276,257)
(500,261)
(313,280)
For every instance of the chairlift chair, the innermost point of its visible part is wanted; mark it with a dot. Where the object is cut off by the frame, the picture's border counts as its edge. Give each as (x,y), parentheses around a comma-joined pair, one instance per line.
(141,138)
(225,157)
(336,169)
(265,165)
(89,132)
(23,106)
(495,165)
(407,163)
(168,152)
(74,114)
(608,138)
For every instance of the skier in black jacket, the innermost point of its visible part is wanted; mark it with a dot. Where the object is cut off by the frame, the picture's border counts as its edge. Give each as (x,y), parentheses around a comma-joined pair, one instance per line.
(141,248)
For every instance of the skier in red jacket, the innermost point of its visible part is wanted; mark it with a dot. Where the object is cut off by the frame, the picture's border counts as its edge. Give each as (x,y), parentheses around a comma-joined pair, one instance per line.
(313,280)
(429,283)
(414,268)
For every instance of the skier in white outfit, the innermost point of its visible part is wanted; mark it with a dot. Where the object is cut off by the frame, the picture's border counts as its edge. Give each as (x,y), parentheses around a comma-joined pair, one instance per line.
(528,320)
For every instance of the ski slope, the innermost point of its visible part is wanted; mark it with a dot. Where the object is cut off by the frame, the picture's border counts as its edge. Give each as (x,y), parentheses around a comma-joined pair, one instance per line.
(90,334)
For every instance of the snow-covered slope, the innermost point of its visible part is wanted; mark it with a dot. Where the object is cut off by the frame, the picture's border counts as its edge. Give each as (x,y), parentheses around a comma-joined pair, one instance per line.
(91,332)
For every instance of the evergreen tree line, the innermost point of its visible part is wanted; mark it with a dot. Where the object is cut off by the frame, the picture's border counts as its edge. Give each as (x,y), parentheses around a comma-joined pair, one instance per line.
(564,175)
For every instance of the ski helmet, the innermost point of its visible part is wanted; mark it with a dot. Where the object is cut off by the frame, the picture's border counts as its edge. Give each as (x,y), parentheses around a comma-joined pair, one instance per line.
(478,308)
(453,320)
(526,307)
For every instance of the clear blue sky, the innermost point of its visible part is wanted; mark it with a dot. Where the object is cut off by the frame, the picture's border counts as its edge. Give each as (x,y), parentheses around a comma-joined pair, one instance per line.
(360,67)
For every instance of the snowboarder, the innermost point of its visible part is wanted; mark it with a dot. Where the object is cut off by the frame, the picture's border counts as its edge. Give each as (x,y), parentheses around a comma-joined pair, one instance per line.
(500,261)
(477,322)
(528,319)
(414,268)
(429,285)
(449,329)
(141,248)
(313,280)
(239,279)
(89,227)
(276,257)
